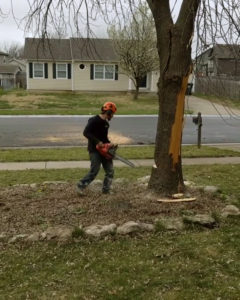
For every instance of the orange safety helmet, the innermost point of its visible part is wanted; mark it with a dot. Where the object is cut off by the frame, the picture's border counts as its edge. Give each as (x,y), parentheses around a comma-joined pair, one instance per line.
(109,106)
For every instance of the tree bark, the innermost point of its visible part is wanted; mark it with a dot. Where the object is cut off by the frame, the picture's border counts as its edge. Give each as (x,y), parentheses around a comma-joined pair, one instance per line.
(174,48)
(136,93)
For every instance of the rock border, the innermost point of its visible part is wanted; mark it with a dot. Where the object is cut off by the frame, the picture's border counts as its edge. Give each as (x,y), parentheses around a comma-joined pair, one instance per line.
(63,234)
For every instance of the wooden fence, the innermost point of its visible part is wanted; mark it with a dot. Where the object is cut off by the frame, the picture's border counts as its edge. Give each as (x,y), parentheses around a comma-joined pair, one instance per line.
(217,86)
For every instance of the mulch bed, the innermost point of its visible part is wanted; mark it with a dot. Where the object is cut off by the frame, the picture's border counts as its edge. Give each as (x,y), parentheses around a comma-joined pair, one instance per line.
(26,209)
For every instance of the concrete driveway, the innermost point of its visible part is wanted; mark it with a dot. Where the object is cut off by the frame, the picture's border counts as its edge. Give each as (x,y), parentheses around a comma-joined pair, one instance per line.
(206,107)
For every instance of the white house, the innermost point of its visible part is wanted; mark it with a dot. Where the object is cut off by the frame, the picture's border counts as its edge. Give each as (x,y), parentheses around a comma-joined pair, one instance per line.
(78,64)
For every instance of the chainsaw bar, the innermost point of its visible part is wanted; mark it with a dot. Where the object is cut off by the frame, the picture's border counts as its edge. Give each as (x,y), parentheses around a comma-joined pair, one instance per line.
(124,160)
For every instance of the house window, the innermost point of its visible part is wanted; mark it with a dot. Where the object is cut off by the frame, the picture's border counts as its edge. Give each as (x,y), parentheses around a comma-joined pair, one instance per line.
(104,72)
(61,70)
(38,70)
(109,72)
(143,82)
(99,72)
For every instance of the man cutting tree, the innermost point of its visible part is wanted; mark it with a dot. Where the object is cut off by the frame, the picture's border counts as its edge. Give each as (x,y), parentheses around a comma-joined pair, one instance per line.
(96,132)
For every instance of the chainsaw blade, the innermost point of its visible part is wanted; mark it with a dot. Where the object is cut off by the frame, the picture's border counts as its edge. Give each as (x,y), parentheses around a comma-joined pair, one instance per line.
(124,160)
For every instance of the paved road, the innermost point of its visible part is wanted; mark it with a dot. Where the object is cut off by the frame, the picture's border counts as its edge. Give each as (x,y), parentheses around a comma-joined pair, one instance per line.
(67,130)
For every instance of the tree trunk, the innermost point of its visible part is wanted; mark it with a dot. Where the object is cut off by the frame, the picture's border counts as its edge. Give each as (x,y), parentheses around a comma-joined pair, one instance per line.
(167,177)
(174,48)
(136,92)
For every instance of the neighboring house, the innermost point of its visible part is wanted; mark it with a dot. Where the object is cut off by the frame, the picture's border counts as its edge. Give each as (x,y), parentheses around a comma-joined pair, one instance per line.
(220,60)
(8,76)
(77,64)
(21,63)
(3,58)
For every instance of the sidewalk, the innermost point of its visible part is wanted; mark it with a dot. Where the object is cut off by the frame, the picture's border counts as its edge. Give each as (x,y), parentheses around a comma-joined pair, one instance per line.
(207,107)
(86,164)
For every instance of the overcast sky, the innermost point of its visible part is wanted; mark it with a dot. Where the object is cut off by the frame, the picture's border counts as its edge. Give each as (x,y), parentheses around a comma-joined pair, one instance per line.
(12,30)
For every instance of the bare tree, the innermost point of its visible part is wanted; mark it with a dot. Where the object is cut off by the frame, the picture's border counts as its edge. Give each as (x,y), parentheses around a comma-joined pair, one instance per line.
(174,44)
(135,44)
(13,49)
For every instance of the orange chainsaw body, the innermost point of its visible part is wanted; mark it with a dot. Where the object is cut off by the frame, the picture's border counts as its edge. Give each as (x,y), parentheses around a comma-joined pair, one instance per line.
(104,150)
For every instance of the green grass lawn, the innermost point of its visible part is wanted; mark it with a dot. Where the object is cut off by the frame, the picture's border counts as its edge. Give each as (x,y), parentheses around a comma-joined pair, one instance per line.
(21,102)
(80,153)
(193,264)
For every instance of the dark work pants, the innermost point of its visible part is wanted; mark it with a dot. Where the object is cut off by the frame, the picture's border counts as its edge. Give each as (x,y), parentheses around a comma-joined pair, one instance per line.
(96,160)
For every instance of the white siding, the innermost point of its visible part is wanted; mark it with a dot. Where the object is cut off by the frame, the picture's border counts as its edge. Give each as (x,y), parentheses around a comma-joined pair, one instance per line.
(49,83)
(154,80)
(82,81)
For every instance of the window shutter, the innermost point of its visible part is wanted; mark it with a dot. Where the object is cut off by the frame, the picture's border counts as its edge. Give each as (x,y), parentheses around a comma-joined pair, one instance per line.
(54,71)
(116,72)
(30,70)
(92,71)
(46,70)
(69,71)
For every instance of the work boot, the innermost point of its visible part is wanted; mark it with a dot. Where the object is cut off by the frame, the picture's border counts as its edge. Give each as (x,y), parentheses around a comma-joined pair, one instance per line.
(80,190)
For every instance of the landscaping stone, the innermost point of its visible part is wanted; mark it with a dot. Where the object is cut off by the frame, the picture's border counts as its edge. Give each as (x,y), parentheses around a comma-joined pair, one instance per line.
(201,219)
(120,181)
(197,187)
(128,227)
(211,189)
(59,233)
(100,230)
(21,185)
(146,227)
(54,182)
(33,185)
(188,183)
(17,238)
(230,210)
(144,179)
(34,237)
(171,223)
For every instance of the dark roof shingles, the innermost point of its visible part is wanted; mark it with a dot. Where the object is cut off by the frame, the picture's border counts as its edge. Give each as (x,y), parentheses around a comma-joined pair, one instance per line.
(67,49)
(51,49)
(226,51)
(93,49)
(8,69)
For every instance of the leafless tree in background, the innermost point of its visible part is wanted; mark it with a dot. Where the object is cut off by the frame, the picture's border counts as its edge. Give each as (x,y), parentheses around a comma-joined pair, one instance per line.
(213,19)
(14,50)
(218,37)
(135,44)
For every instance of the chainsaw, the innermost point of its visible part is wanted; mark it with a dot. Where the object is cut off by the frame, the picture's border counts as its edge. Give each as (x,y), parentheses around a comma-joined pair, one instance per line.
(109,152)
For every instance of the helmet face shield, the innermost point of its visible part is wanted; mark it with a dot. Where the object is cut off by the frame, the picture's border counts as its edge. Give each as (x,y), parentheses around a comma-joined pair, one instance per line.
(109,106)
